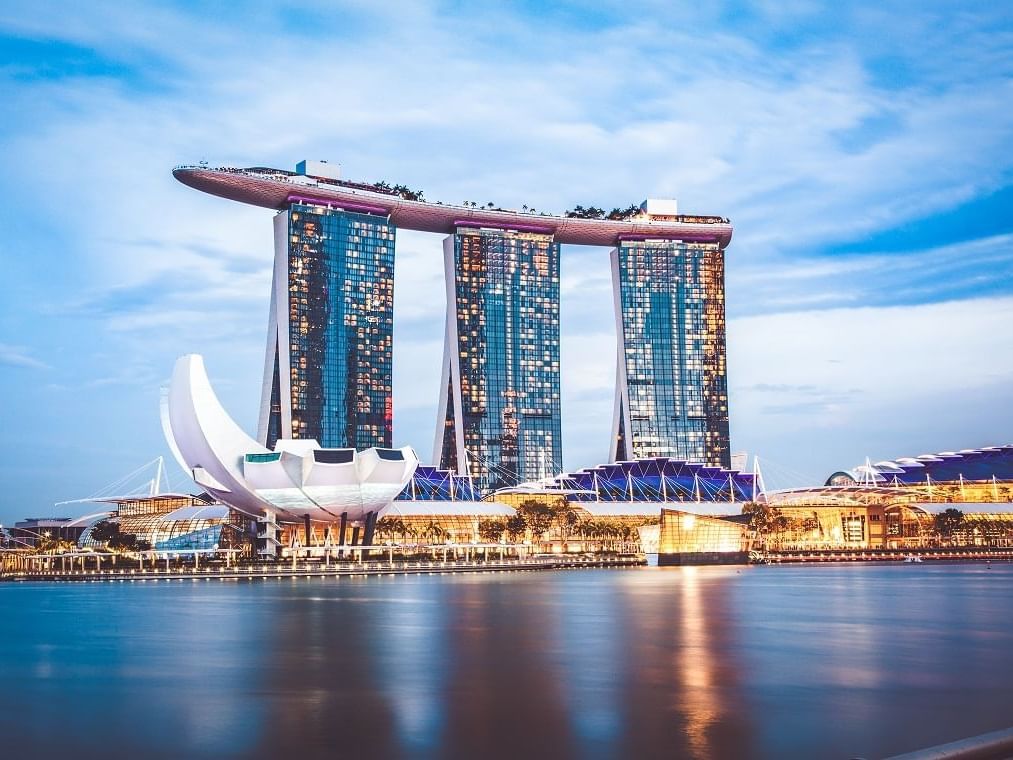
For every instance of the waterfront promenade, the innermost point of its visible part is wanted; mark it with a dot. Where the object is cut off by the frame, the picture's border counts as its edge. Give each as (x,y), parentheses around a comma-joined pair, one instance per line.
(321,570)
(950,554)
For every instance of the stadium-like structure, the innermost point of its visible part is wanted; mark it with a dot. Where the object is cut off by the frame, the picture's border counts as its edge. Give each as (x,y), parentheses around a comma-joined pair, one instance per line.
(987,463)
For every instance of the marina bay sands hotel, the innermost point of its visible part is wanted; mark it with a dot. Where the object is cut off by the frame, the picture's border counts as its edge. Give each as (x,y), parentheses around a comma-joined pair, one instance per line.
(330,345)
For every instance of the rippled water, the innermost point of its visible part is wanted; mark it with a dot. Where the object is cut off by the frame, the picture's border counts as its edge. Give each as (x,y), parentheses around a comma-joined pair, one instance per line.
(782,662)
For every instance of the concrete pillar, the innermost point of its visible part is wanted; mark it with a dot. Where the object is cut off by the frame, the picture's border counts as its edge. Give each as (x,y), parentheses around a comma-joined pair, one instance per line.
(355,536)
(344,526)
(308,529)
(370,527)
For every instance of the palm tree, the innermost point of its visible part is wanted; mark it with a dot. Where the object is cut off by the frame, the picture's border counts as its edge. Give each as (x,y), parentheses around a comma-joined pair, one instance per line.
(434,532)
(390,527)
(627,534)
(593,530)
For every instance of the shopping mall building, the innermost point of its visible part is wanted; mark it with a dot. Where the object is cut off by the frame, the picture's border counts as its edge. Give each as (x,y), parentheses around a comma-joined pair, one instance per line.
(954,498)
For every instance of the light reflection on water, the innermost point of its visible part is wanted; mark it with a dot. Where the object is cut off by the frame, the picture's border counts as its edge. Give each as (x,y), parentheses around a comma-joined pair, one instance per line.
(837,661)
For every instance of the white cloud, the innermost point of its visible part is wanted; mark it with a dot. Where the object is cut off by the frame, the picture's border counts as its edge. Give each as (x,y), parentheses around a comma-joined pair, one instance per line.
(850,382)
(19,356)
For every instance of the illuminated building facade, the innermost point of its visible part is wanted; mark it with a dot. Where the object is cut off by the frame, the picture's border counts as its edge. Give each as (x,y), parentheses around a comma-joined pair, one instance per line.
(671,386)
(690,539)
(176,522)
(836,517)
(328,366)
(499,417)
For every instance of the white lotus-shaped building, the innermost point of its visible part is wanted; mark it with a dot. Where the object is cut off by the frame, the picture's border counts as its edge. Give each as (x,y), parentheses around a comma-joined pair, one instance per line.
(298,481)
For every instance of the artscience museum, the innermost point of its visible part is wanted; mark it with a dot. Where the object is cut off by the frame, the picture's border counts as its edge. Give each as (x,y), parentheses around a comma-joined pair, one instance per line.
(297,481)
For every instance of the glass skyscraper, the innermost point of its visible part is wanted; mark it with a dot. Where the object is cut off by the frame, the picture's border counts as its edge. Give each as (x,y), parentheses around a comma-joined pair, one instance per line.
(328,365)
(672,394)
(499,417)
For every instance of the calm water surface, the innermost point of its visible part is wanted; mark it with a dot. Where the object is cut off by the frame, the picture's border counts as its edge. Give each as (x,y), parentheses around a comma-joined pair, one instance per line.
(775,662)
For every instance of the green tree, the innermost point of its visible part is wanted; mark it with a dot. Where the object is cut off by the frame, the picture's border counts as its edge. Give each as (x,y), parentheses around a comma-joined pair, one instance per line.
(390,527)
(565,518)
(538,516)
(49,544)
(593,530)
(515,526)
(491,529)
(948,523)
(434,532)
(105,531)
(768,522)
(109,532)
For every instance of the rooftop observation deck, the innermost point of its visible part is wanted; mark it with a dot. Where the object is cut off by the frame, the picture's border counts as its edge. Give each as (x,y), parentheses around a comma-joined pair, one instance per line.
(277,189)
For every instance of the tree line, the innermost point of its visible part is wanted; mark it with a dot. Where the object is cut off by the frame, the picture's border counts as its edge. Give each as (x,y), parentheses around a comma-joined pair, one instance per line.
(534,520)
(593,212)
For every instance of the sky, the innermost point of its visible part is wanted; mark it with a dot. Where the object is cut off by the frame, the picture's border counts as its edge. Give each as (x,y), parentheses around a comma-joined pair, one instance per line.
(863,151)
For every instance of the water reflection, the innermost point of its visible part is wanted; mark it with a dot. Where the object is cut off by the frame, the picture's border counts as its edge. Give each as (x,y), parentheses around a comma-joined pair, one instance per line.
(682,695)
(659,662)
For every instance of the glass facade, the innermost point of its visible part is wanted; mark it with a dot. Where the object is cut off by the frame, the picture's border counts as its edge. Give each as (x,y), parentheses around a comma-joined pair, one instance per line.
(434,484)
(685,533)
(672,396)
(503,356)
(175,522)
(340,329)
(658,480)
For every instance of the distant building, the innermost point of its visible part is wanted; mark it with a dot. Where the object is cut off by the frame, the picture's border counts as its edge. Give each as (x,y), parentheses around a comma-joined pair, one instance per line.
(499,413)
(29,532)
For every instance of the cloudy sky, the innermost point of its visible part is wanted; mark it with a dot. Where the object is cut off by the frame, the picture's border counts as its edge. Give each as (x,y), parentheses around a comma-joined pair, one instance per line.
(864,153)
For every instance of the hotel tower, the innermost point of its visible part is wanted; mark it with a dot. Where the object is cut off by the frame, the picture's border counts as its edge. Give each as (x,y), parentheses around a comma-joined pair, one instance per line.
(499,417)
(671,386)
(327,371)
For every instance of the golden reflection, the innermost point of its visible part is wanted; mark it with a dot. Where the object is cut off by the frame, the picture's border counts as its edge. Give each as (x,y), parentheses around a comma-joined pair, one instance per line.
(695,664)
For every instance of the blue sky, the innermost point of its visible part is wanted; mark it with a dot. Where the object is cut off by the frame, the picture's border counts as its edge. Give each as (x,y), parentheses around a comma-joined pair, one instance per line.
(864,153)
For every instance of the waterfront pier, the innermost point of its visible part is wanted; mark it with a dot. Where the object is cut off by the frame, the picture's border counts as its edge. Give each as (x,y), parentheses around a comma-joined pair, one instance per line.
(296,569)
